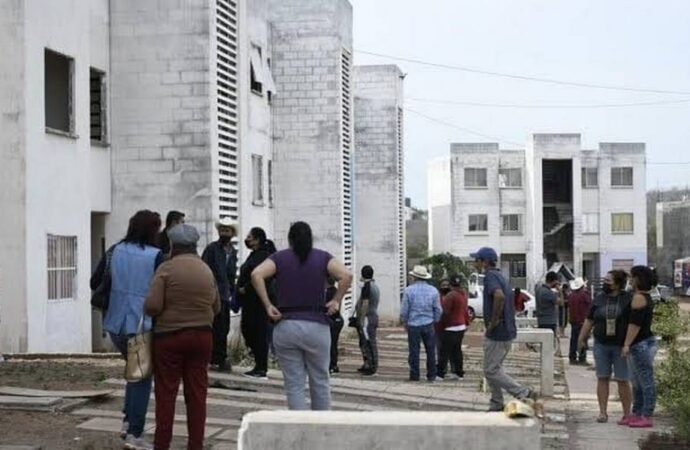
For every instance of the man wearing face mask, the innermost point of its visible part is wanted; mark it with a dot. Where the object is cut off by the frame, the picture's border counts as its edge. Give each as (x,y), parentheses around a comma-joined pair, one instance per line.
(221,257)
(254,323)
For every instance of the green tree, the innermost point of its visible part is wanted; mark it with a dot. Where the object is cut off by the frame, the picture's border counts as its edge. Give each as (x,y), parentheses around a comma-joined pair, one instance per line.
(444,265)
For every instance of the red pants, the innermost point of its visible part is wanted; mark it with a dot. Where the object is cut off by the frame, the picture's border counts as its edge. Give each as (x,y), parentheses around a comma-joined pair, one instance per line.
(182,355)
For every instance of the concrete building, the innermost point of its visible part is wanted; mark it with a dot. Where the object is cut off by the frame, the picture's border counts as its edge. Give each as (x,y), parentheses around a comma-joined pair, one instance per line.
(438,201)
(553,202)
(379,182)
(672,237)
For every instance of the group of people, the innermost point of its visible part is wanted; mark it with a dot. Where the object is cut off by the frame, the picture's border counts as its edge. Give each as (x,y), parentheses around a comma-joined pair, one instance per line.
(620,317)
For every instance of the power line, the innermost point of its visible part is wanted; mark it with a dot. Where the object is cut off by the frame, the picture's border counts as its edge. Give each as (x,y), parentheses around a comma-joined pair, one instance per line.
(504,141)
(544,106)
(522,77)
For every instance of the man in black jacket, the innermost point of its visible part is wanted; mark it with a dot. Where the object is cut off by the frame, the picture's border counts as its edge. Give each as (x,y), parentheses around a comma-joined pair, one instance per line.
(221,257)
(173,218)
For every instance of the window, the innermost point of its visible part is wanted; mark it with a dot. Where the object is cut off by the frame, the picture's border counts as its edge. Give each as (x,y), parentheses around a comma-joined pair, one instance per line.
(511,224)
(269,168)
(478,223)
(621,176)
(475,177)
(510,178)
(590,223)
(62,267)
(256,70)
(622,223)
(257,180)
(58,92)
(590,177)
(98,106)
(622,264)
(518,269)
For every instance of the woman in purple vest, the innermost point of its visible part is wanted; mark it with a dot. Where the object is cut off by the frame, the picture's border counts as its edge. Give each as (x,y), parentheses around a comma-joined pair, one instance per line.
(302,336)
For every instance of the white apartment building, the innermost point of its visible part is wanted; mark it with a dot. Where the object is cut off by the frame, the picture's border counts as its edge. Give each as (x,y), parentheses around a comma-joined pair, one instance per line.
(228,108)
(553,202)
(438,202)
(379,190)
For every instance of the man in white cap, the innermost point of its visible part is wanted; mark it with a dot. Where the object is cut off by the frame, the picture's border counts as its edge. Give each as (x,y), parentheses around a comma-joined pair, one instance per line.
(420,309)
(579,303)
(221,257)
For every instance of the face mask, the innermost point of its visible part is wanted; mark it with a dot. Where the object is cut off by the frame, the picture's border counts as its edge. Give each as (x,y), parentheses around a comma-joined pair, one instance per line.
(444,291)
(248,243)
(607,288)
(225,240)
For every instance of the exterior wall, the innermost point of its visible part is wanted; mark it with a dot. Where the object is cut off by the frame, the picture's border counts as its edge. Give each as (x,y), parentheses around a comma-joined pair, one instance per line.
(438,202)
(673,242)
(312,107)
(378,181)
(466,201)
(162,121)
(590,202)
(59,205)
(13,220)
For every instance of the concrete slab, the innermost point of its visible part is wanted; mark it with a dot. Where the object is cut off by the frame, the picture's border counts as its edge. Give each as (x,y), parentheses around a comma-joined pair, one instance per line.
(19,447)
(309,430)
(545,338)
(23,392)
(228,435)
(112,425)
(93,412)
(13,400)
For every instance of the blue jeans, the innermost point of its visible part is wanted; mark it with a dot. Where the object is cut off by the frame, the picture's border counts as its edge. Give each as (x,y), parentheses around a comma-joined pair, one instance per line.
(136,394)
(425,335)
(573,354)
(641,362)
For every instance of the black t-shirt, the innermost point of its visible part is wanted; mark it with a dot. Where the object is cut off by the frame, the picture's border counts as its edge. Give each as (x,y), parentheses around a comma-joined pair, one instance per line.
(643,318)
(607,307)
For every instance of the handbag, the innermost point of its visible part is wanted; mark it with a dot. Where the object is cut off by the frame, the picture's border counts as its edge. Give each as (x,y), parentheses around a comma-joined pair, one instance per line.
(100,298)
(139,365)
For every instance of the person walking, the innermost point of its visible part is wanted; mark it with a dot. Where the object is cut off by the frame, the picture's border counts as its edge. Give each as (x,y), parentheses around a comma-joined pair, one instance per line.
(302,337)
(171,219)
(183,300)
(499,319)
(608,317)
(549,297)
(336,323)
(519,298)
(367,317)
(221,257)
(254,321)
(132,265)
(579,301)
(419,311)
(640,347)
(454,321)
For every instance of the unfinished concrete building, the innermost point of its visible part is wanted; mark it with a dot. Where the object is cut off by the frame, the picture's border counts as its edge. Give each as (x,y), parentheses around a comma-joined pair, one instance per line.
(551,203)
(438,201)
(379,196)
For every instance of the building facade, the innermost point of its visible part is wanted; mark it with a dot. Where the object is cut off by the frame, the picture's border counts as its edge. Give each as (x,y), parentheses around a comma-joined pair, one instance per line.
(672,237)
(553,202)
(230,108)
(379,196)
(438,201)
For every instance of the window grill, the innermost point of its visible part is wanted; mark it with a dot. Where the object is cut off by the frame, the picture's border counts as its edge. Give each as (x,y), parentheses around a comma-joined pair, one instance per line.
(62,267)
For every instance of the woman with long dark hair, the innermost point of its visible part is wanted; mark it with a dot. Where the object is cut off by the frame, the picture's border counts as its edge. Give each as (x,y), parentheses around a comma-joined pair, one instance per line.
(640,347)
(133,263)
(302,336)
(254,323)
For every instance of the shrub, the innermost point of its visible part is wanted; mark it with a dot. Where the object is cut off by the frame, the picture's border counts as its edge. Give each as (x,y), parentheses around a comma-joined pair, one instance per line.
(669,323)
(673,382)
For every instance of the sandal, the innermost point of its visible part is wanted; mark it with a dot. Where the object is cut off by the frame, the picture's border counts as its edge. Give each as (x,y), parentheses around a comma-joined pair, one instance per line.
(603,418)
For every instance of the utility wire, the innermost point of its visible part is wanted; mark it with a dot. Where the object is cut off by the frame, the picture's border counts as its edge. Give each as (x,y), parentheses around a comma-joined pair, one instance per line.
(496,139)
(522,77)
(546,106)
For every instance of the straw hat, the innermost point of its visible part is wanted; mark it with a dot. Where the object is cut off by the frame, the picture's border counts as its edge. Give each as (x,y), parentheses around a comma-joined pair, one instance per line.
(577,283)
(420,272)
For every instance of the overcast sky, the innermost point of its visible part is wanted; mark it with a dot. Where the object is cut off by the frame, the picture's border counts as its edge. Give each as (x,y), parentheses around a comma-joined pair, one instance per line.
(636,43)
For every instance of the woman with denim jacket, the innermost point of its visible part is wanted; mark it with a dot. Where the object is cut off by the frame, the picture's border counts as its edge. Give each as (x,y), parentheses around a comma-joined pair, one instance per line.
(133,263)
(640,347)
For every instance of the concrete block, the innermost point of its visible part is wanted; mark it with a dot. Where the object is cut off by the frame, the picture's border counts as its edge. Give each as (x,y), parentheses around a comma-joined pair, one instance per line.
(308,430)
(546,339)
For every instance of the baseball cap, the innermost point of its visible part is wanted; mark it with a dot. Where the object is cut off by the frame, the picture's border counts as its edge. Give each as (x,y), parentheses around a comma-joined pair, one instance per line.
(485,253)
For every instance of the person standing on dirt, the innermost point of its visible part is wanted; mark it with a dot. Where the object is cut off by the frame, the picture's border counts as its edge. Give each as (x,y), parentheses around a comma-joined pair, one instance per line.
(454,321)
(336,324)
(367,319)
(171,219)
(183,299)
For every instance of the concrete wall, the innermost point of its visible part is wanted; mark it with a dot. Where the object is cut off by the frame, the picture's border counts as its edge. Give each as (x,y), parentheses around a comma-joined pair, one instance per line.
(13,111)
(438,202)
(162,109)
(308,40)
(378,180)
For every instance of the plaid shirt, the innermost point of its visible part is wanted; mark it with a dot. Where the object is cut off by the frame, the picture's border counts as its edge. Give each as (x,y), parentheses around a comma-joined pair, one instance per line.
(421,305)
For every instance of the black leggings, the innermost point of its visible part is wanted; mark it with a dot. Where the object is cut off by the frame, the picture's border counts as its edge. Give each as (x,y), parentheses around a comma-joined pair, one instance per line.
(451,350)
(254,328)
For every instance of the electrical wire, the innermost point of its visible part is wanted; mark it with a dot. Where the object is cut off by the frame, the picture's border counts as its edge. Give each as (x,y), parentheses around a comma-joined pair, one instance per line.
(545,106)
(522,77)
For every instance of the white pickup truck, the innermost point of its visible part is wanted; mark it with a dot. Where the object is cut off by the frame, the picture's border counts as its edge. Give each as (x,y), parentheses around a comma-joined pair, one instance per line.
(476,300)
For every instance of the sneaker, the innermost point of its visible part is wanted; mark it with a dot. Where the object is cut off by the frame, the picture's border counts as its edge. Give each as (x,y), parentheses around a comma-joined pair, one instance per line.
(137,443)
(368,372)
(124,430)
(495,408)
(641,422)
(413,379)
(626,420)
(256,374)
(434,380)
(334,369)
(532,395)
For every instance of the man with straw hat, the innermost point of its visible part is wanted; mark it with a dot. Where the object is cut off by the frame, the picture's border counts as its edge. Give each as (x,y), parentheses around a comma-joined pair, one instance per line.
(420,309)
(221,257)
(580,302)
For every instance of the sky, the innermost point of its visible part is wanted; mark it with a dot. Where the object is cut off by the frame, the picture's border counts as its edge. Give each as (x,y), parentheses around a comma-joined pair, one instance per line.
(622,43)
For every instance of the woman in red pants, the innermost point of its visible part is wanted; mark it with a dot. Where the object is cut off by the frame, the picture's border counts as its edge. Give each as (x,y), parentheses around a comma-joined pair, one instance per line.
(183,299)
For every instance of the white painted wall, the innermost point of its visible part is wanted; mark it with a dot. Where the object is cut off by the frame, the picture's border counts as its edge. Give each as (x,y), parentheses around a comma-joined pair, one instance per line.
(438,203)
